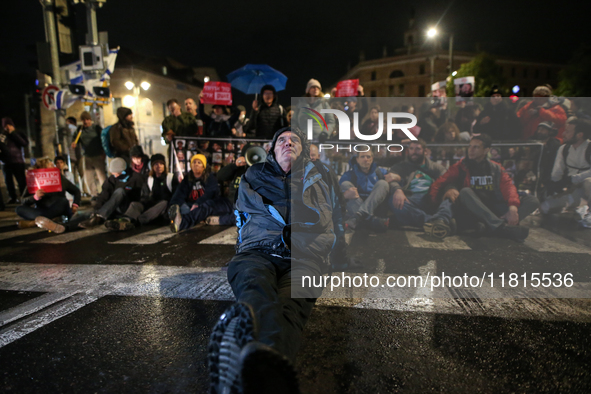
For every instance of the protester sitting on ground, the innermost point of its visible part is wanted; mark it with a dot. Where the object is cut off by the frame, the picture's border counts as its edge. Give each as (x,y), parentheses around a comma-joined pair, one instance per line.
(497,119)
(123,187)
(60,164)
(268,115)
(94,155)
(139,161)
(542,108)
(156,193)
(484,193)
(410,202)
(314,152)
(572,170)
(219,123)
(122,134)
(546,134)
(366,187)
(40,207)
(197,197)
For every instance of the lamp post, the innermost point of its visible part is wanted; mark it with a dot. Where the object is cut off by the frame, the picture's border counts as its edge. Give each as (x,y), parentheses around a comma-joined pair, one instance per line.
(134,101)
(432,33)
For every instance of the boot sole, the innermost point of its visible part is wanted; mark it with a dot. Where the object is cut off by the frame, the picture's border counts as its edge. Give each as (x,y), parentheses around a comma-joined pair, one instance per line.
(438,231)
(49,225)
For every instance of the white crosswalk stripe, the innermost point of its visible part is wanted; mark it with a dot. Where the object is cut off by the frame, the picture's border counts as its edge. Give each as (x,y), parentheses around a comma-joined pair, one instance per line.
(148,238)
(226,237)
(421,240)
(72,236)
(543,240)
(19,233)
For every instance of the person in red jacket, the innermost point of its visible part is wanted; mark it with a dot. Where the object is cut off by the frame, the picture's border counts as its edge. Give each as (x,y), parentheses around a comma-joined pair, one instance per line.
(483,192)
(542,108)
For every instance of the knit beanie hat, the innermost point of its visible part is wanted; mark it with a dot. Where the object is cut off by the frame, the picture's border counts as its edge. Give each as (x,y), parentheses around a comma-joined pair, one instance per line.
(156,158)
(7,121)
(543,91)
(200,157)
(311,83)
(136,151)
(117,166)
(85,115)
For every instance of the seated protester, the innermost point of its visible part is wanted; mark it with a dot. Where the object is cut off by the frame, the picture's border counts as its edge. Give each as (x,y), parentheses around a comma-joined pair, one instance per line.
(156,194)
(498,119)
(139,161)
(39,208)
(123,187)
(219,124)
(197,197)
(365,188)
(546,133)
(60,163)
(572,169)
(410,202)
(482,191)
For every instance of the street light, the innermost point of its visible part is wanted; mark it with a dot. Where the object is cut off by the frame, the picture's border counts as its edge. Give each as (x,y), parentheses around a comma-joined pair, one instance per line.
(145,85)
(431,33)
(130,101)
(206,79)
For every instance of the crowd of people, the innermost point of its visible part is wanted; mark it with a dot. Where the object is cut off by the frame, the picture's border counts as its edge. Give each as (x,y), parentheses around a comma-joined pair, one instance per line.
(300,201)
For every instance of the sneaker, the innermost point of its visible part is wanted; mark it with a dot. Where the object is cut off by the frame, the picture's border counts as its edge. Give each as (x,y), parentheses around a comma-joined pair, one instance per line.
(233,331)
(49,225)
(378,224)
(119,225)
(266,371)
(586,221)
(438,228)
(582,212)
(25,224)
(213,220)
(516,233)
(95,220)
(174,214)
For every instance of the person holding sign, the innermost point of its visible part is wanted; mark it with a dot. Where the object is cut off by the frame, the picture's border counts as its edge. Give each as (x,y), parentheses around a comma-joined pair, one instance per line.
(218,124)
(43,202)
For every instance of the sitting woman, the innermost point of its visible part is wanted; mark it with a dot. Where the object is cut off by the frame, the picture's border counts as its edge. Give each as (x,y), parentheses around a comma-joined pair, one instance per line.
(39,208)
(156,193)
(197,197)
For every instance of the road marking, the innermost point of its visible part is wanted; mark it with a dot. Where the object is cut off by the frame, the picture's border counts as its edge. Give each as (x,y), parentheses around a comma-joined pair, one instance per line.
(226,237)
(36,321)
(72,236)
(148,238)
(421,240)
(20,233)
(542,240)
(32,306)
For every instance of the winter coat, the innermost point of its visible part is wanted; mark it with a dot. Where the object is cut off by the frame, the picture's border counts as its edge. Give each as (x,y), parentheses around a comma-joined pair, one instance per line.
(551,111)
(266,217)
(458,176)
(13,151)
(90,140)
(131,181)
(184,125)
(503,124)
(158,189)
(195,190)
(268,119)
(145,170)
(407,171)
(122,134)
(50,198)
(218,125)
(365,182)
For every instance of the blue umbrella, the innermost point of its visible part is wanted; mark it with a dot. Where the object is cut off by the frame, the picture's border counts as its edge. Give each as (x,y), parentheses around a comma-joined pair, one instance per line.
(252,77)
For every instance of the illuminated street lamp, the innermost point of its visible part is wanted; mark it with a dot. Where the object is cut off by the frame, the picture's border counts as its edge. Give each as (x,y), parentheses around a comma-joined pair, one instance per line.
(432,33)
(130,101)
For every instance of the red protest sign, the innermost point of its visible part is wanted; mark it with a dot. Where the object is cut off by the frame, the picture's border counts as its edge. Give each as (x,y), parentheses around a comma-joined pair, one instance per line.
(219,93)
(48,179)
(347,88)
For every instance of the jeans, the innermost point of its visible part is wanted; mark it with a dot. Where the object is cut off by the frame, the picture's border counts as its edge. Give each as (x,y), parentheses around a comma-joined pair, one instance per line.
(60,206)
(94,166)
(264,282)
(375,199)
(471,207)
(217,207)
(137,213)
(570,200)
(16,170)
(117,203)
(414,214)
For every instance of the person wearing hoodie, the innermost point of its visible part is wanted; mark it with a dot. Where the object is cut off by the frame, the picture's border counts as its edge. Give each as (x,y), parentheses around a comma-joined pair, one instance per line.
(13,157)
(156,193)
(286,230)
(41,205)
(366,188)
(94,155)
(122,134)
(219,124)
(316,101)
(139,161)
(197,197)
(123,187)
(268,115)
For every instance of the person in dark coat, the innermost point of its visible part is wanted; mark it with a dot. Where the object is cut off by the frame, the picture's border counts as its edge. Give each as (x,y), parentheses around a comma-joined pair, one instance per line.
(13,157)
(197,197)
(123,187)
(219,123)
(268,115)
(39,207)
(498,120)
(139,161)
(122,134)
(156,193)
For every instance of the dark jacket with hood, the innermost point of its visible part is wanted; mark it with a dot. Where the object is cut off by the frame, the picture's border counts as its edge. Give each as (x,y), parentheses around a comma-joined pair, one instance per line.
(12,147)
(196,190)
(122,134)
(144,168)
(268,119)
(288,215)
(158,189)
(90,140)
(131,181)
(50,198)
(218,125)
(362,181)
(503,124)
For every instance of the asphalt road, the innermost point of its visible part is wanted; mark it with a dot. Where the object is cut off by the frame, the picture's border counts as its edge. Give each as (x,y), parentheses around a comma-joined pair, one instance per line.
(93,311)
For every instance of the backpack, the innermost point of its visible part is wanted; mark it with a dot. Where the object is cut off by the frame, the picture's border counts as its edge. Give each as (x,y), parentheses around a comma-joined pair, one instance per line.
(587,156)
(106,142)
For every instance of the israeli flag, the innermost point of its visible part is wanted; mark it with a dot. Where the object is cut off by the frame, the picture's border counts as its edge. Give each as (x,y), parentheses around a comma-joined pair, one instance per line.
(74,72)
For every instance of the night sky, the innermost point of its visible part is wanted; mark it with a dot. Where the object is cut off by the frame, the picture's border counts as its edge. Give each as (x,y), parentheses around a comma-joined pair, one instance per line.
(304,39)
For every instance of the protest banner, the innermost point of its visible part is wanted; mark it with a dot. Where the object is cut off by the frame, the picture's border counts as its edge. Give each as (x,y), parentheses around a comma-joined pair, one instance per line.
(347,88)
(48,179)
(464,88)
(217,93)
